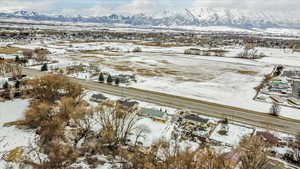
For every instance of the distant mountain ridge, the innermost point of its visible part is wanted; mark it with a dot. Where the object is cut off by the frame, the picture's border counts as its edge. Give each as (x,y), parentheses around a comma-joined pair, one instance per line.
(192,17)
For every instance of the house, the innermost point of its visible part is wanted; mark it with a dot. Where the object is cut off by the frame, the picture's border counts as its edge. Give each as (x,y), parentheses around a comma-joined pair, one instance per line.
(156,115)
(128,104)
(279,86)
(193,51)
(99,98)
(201,132)
(196,120)
(296,89)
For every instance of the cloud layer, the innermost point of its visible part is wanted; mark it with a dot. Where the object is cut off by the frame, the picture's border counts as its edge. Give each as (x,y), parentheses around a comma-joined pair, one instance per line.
(15,5)
(106,7)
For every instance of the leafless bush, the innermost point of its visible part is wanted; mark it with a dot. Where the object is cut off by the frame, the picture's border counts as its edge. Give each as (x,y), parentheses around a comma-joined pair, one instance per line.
(254,153)
(275,109)
(51,88)
(251,53)
(166,155)
(118,123)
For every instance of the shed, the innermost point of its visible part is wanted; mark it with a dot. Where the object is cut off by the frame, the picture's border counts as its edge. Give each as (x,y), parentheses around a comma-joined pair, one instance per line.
(99,98)
(128,104)
(196,119)
(155,114)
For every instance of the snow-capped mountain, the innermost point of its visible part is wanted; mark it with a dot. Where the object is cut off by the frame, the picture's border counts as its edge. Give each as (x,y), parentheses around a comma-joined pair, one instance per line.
(190,17)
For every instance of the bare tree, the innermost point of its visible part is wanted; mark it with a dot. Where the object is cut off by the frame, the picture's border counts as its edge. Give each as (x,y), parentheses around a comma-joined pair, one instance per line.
(117,123)
(51,88)
(140,133)
(254,153)
(275,109)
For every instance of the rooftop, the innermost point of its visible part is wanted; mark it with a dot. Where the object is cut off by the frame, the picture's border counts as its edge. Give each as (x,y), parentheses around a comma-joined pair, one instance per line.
(153,112)
(127,103)
(196,118)
(99,96)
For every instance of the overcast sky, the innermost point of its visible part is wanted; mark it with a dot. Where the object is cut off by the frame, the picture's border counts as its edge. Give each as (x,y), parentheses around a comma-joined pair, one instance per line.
(103,7)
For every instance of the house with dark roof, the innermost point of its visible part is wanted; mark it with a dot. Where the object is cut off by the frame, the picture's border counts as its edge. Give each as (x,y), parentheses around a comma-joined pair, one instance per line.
(196,120)
(124,78)
(128,104)
(99,98)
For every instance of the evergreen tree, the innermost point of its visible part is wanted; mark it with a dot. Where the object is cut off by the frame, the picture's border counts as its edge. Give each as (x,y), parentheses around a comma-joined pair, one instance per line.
(109,79)
(44,67)
(117,81)
(17,84)
(17,59)
(5,85)
(101,78)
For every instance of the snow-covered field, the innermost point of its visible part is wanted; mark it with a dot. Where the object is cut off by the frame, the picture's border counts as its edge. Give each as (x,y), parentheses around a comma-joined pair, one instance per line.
(12,137)
(225,80)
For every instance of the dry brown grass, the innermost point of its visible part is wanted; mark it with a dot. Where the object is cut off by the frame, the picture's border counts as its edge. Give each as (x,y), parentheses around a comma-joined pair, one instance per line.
(88,56)
(123,68)
(147,72)
(10,50)
(95,41)
(164,61)
(247,72)
(100,52)
(90,51)
(82,41)
(140,62)
(157,44)
(110,54)
(166,71)
(243,72)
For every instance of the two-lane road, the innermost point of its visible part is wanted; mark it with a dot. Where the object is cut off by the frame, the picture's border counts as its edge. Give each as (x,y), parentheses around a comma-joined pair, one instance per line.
(235,114)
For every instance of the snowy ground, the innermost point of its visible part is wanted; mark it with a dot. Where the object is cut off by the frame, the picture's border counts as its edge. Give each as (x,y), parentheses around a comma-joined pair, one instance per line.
(12,137)
(14,110)
(225,80)
(235,134)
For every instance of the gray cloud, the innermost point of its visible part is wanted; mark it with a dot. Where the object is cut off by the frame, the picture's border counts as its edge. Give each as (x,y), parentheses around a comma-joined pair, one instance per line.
(146,6)
(37,5)
(267,5)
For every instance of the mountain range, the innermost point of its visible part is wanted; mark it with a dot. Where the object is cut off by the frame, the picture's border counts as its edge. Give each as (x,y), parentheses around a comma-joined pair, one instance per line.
(191,17)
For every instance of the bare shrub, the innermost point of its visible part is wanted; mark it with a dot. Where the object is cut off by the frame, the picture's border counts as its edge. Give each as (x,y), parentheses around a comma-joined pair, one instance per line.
(28,53)
(117,123)
(50,88)
(254,153)
(275,109)
(166,155)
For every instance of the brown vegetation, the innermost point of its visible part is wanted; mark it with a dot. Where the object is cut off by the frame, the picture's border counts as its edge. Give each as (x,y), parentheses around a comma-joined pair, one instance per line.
(247,72)
(255,153)
(50,88)
(10,50)
(158,44)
